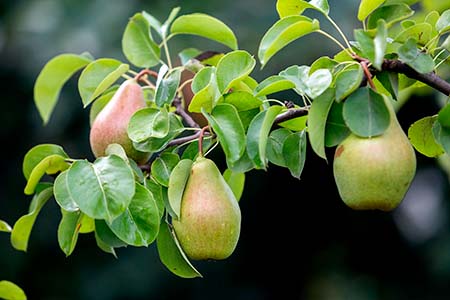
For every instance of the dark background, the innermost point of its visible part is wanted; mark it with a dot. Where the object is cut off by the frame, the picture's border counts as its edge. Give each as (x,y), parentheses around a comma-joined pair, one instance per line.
(298,239)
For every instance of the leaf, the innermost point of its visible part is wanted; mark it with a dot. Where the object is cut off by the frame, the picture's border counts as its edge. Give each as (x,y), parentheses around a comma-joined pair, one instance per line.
(389,80)
(165,26)
(323,62)
(191,151)
(296,7)
(336,130)
(442,136)
(100,103)
(105,234)
(391,14)
(235,181)
(313,84)
(205,26)
(444,116)
(202,78)
(49,165)
(177,182)
(365,113)
(138,45)
(366,44)
(347,82)
(282,33)
(104,246)
(420,32)
(68,230)
(294,152)
(295,124)
(163,166)
(36,154)
(139,224)
(156,191)
(275,146)
(443,23)
(21,231)
(4,227)
(171,254)
(166,89)
(412,56)
(148,123)
(98,76)
(318,82)
(299,76)
(102,190)
(206,98)
(52,78)
(233,67)
(317,118)
(187,54)
(227,125)
(421,136)
(258,134)
(10,291)
(273,84)
(62,195)
(242,101)
(366,7)
(380,44)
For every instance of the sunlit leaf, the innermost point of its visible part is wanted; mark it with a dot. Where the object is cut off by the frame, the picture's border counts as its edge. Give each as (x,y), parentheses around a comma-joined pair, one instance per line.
(391,14)
(148,123)
(242,101)
(36,154)
(348,81)
(233,67)
(236,182)
(49,165)
(366,7)
(166,89)
(421,136)
(68,230)
(10,291)
(62,194)
(100,103)
(4,227)
(421,33)
(273,84)
(296,7)
(443,24)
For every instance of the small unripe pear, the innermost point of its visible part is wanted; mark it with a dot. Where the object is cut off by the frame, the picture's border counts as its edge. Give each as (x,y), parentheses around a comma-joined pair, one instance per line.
(210,218)
(110,125)
(375,173)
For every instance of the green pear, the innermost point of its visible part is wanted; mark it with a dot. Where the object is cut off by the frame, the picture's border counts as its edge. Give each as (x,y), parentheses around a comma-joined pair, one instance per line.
(375,173)
(210,218)
(110,125)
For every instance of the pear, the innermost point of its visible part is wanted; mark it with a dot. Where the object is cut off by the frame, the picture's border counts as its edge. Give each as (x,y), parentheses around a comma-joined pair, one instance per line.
(210,218)
(110,125)
(375,173)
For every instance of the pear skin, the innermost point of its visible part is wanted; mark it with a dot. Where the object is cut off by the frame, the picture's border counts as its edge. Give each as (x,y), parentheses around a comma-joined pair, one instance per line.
(375,173)
(210,218)
(110,125)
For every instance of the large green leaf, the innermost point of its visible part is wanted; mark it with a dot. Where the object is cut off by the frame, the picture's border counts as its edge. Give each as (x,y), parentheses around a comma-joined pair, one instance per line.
(365,113)
(421,32)
(227,125)
(49,165)
(236,182)
(102,190)
(166,89)
(22,228)
(444,116)
(443,24)
(138,45)
(202,78)
(36,154)
(442,136)
(416,59)
(313,84)
(206,91)
(177,182)
(98,76)
(258,134)
(233,67)
(148,123)
(62,194)
(317,118)
(10,291)
(172,255)
(390,14)
(282,33)
(68,230)
(366,7)
(336,130)
(52,78)
(421,136)
(243,101)
(105,234)
(294,152)
(348,81)
(156,190)
(4,227)
(205,26)
(296,7)
(273,84)
(139,224)
(163,166)
(275,146)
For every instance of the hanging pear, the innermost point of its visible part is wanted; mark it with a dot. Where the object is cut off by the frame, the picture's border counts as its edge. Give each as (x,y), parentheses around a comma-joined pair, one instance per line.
(375,173)
(110,125)
(210,218)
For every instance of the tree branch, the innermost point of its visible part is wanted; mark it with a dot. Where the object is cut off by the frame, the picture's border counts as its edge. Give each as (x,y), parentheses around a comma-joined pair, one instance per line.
(291,114)
(182,113)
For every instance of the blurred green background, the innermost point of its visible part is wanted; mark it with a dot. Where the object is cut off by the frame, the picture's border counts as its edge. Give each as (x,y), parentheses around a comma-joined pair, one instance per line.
(298,240)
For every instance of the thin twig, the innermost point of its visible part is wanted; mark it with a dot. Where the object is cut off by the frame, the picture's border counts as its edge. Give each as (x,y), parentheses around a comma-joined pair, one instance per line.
(182,113)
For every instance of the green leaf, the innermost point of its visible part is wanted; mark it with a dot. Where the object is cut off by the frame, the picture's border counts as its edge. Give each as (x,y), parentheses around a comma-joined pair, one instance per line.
(442,136)
(62,195)
(49,165)
(4,227)
(336,130)
(348,81)
(206,98)
(177,182)
(236,182)
(365,113)
(366,7)
(105,234)
(98,76)
(102,190)
(165,26)
(138,45)
(444,116)
(156,191)
(366,44)
(443,23)
(317,118)
(318,82)
(275,146)
(21,231)
(323,62)
(163,166)
(391,14)
(420,32)
(191,151)
(166,89)
(205,26)
(139,224)
(258,134)
(389,80)
(36,154)
(294,152)
(68,230)
(187,54)
(243,101)
(171,254)
(313,84)
(295,124)
(380,44)
(52,78)
(282,33)
(233,67)
(100,103)
(273,84)
(104,246)
(10,291)
(148,123)
(202,78)
(412,56)
(421,136)
(299,76)
(297,7)
(227,125)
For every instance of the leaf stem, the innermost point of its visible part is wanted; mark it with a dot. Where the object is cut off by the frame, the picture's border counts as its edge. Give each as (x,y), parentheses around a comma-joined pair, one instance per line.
(340,32)
(335,41)
(166,51)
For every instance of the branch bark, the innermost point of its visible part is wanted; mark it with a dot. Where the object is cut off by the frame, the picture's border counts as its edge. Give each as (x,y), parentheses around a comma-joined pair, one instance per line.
(182,113)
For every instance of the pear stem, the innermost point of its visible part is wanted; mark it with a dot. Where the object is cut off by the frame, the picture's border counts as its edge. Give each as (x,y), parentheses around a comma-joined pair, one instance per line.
(365,68)
(146,72)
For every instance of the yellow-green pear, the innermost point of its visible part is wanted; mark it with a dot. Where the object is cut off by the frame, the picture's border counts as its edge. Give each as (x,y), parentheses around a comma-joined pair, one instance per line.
(375,173)
(210,217)
(110,125)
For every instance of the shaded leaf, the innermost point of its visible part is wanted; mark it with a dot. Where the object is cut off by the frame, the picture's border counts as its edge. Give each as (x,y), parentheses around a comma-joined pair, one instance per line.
(411,55)
(336,130)
(202,78)
(235,181)
(242,101)
(187,54)
(348,81)
(100,103)
(166,89)
(443,23)
(420,32)
(156,191)
(105,234)
(294,152)
(421,136)
(389,80)
(177,182)
(444,116)
(442,136)
(163,166)
(148,123)
(62,194)
(68,230)
(275,146)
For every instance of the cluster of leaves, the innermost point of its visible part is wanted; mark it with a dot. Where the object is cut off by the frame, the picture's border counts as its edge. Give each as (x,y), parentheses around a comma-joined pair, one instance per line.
(125,204)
